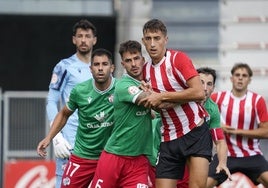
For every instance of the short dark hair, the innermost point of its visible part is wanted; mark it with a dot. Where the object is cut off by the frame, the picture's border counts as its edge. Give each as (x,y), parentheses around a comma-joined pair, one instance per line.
(155,25)
(207,71)
(131,46)
(84,24)
(242,65)
(102,51)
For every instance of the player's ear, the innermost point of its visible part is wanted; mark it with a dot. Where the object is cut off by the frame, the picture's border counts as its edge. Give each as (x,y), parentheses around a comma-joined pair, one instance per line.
(95,40)
(74,41)
(142,39)
(112,68)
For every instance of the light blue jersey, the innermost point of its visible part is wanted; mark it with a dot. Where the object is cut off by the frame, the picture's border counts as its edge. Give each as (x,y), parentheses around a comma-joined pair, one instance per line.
(66,74)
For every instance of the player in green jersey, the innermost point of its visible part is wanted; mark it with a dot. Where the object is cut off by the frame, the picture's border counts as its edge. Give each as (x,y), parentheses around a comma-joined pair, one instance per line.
(123,163)
(208,79)
(94,101)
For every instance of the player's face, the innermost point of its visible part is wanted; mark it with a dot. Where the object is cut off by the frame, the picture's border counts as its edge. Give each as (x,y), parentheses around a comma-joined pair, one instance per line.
(240,80)
(133,63)
(101,69)
(155,44)
(84,40)
(208,84)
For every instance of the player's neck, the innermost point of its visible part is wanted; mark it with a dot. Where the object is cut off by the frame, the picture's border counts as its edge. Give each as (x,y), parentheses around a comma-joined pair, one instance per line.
(158,59)
(238,93)
(102,86)
(86,58)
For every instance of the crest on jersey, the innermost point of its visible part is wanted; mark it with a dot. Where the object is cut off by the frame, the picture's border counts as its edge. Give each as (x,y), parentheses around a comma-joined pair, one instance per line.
(133,90)
(66,181)
(169,71)
(54,78)
(111,98)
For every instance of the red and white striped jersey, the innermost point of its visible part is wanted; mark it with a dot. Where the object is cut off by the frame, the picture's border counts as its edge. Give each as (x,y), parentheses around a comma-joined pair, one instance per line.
(241,113)
(171,74)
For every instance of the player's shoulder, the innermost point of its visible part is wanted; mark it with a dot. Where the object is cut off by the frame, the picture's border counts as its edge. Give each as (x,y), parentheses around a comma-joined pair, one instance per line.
(177,53)
(125,82)
(67,61)
(85,83)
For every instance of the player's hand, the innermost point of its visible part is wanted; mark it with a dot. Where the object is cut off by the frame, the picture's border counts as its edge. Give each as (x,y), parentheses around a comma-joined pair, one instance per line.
(41,148)
(224,169)
(61,146)
(228,130)
(145,86)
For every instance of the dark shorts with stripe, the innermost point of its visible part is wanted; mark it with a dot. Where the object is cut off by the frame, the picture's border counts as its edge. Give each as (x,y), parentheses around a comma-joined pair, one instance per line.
(252,167)
(173,154)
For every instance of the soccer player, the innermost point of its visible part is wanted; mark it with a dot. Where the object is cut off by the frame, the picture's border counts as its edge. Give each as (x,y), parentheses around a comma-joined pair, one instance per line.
(66,74)
(94,101)
(185,134)
(123,163)
(244,120)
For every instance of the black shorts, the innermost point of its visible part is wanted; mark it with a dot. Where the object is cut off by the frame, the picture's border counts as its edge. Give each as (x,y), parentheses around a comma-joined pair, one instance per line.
(252,167)
(173,154)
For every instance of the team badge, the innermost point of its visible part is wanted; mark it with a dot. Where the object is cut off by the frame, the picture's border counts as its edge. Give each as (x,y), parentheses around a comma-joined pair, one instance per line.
(133,90)
(111,98)
(54,78)
(169,71)
(66,181)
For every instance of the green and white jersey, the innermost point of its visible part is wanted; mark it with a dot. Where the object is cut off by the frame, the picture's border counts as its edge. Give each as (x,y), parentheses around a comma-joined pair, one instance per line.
(132,133)
(214,119)
(95,112)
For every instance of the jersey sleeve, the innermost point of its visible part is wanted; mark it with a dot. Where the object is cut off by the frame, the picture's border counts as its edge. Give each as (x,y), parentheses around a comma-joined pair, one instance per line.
(53,99)
(72,104)
(262,110)
(184,64)
(55,88)
(128,93)
(217,134)
(59,75)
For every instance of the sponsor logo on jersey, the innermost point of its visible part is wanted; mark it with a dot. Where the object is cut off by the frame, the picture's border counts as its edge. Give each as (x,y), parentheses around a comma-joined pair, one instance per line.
(100,117)
(100,125)
(142,113)
(142,185)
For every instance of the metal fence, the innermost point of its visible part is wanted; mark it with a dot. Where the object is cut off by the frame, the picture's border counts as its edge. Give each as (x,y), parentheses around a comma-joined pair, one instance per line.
(24,124)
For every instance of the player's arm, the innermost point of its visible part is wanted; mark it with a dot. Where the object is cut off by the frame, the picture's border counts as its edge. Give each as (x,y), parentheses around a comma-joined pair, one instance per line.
(53,99)
(162,105)
(221,149)
(58,123)
(260,133)
(194,92)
